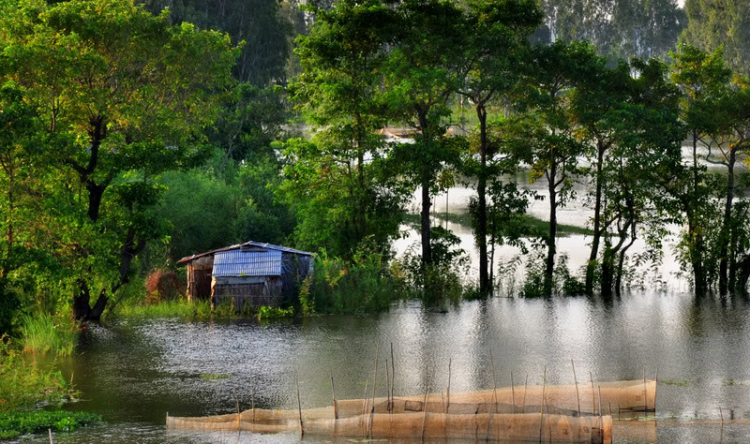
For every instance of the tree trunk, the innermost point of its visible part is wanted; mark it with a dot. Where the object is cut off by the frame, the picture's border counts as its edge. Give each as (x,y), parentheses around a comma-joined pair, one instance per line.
(82,309)
(591,265)
(744,268)
(484,283)
(726,226)
(550,268)
(695,233)
(425,221)
(608,272)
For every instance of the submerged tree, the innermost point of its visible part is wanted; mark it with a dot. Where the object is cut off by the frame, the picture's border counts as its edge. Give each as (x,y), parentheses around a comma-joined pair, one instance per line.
(497,43)
(702,78)
(126,96)
(546,135)
(423,70)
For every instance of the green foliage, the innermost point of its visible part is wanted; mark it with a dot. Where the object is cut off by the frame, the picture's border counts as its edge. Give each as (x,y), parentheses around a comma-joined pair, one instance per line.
(365,284)
(563,284)
(25,383)
(720,23)
(18,423)
(180,308)
(42,333)
(266,313)
(132,96)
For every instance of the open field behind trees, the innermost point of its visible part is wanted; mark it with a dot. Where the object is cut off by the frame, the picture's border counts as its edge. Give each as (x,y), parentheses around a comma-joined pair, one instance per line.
(585,144)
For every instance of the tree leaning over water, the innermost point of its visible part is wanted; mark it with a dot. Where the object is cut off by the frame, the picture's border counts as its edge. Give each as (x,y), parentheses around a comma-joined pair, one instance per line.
(125,96)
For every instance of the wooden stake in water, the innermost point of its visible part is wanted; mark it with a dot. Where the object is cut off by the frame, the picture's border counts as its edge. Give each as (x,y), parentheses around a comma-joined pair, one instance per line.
(374,384)
(387,386)
(393,372)
(50,436)
(656,387)
(601,418)
(252,408)
(424,408)
(541,407)
(575,379)
(645,394)
(512,393)
(448,393)
(239,417)
(525,386)
(721,414)
(299,407)
(333,393)
(593,394)
(494,395)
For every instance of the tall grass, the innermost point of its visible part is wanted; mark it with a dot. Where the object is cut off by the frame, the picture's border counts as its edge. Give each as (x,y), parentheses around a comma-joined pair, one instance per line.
(367,283)
(24,384)
(44,333)
(179,308)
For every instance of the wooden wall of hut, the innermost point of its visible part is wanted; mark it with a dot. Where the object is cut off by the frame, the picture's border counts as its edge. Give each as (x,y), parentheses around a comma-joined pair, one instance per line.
(248,292)
(199,277)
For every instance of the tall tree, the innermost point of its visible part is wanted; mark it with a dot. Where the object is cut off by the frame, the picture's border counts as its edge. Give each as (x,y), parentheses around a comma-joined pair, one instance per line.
(497,36)
(340,178)
(552,146)
(702,78)
(423,69)
(127,95)
(714,23)
(596,103)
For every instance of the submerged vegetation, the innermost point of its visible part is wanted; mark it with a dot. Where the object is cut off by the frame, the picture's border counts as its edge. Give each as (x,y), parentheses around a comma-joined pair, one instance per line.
(13,425)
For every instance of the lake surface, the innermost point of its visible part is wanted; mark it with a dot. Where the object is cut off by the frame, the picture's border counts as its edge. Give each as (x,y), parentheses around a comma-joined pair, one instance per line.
(135,371)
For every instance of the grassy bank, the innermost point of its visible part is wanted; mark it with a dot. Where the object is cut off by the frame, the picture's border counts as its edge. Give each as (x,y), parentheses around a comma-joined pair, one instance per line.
(43,334)
(195,311)
(13,425)
(537,225)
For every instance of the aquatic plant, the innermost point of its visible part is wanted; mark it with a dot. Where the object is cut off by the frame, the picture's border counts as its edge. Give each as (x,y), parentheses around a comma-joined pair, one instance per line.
(13,425)
(24,383)
(44,333)
(266,313)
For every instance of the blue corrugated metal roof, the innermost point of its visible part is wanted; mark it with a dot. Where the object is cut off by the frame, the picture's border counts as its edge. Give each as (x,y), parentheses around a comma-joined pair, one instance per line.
(240,263)
(249,244)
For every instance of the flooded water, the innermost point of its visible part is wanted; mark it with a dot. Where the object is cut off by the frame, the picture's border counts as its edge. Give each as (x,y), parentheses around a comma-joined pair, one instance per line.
(134,372)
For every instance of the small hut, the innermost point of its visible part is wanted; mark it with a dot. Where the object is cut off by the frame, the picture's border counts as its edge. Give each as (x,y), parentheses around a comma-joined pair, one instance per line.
(249,274)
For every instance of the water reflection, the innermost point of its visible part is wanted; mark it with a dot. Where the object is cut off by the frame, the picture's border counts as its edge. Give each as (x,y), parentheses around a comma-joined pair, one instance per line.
(133,373)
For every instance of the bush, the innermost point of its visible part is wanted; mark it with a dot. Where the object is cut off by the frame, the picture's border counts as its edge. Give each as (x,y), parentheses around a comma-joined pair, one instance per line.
(45,333)
(162,285)
(367,283)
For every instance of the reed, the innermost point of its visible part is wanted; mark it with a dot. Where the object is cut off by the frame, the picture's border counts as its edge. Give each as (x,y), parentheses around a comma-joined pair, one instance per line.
(42,334)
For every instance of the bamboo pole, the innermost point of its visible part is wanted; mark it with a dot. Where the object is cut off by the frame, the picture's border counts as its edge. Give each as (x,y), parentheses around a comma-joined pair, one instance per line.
(656,388)
(494,395)
(722,417)
(512,393)
(645,394)
(299,406)
(393,372)
(49,431)
(333,393)
(525,386)
(387,387)
(252,407)
(424,407)
(448,393)
(374,384)
(239,418)
(541,406)
(593,393)
(601,418)
(575,379)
